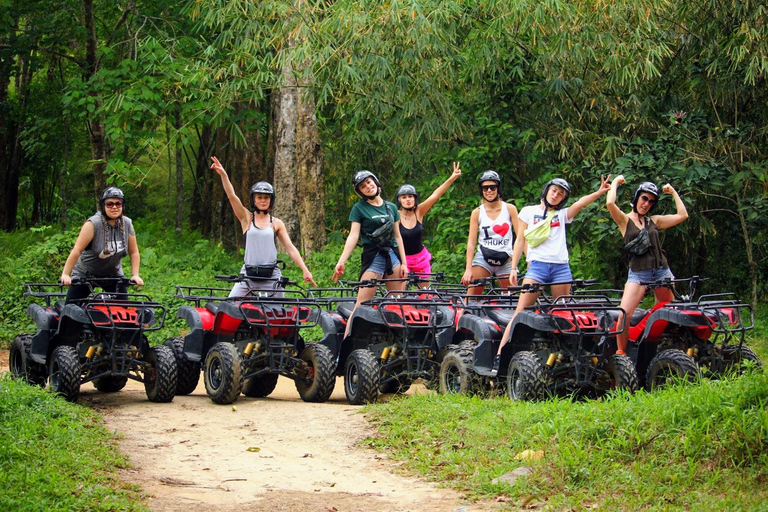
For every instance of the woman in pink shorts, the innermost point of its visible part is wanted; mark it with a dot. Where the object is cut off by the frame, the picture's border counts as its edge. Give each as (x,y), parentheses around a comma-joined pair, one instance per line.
(412,214)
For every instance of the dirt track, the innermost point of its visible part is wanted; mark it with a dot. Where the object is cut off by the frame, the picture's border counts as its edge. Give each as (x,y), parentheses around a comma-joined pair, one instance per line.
(275,453)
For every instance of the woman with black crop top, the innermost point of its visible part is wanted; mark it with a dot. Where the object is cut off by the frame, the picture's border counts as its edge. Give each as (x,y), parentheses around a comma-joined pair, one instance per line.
(649,265)
(412,213)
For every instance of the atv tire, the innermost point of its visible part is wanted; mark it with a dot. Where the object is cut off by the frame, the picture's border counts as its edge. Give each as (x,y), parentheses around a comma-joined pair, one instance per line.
(64,376)
(736,356)
(222,374)
(669,365)
(188,372)
(110,383)
(160,374)
(525,377)
(260,386)
(457,377)
(317,388)
(22,366)
(361,377)
(620,373)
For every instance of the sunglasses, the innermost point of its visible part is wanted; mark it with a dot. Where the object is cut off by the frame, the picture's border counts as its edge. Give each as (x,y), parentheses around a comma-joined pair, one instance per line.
(490,188)
(113,204)
(650,200)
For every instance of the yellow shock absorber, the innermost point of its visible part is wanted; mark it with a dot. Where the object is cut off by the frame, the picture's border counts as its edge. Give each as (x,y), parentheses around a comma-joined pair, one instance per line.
(248,349)
(551,359)
(385,353)
(594,361)
(691,352)
(91,351)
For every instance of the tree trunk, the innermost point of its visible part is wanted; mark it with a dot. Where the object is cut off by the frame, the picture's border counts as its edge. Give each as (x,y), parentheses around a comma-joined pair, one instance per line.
(96,132)
(179,176)
(283,120)
(13,175)
(310,176)
(200,206)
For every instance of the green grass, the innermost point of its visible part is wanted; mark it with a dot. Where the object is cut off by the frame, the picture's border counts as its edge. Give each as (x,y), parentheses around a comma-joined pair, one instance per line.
(57,456)
(688,447)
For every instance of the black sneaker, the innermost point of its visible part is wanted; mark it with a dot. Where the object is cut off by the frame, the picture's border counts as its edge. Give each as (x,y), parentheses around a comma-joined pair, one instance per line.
(496,364)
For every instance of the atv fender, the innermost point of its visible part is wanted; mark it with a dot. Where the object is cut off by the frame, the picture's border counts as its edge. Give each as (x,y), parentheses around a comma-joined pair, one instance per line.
(527,323)
(46,322)
(487,335)
(659,319)
(68,332)
(193,342)
(333,332)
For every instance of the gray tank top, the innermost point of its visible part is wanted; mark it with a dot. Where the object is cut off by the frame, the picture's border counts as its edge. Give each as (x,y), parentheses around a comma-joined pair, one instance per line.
(94,261)
(260,248)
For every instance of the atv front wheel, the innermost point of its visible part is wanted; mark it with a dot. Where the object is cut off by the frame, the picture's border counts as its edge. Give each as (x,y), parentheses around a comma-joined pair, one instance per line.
(160,374)
(361,377)
(110,383)
(22,366)
(525,377)
(260,386)
(65,373)
(223,373)
(620,373)
(188,372)
(321,374)
(457,377)
(669,365)
(735,358)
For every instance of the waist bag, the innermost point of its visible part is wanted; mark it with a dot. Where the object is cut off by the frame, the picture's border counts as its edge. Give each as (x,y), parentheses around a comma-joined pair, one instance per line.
(536,235)
(262,271)
(495,258)
(641,243)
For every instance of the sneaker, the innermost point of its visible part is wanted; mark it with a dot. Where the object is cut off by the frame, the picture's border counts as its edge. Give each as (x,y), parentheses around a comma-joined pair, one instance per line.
(496,364)
(620,353)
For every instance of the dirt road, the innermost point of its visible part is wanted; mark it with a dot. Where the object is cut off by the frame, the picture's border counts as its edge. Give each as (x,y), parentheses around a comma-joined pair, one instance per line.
(275,453)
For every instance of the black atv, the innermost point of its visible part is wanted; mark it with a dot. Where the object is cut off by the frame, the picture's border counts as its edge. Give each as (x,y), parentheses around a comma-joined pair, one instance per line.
(393,340)
(244,343)
(99,339)
(560,346)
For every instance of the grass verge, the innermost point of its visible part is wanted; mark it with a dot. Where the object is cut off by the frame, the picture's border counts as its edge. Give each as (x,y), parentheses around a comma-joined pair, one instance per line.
(689,447)
(56,456)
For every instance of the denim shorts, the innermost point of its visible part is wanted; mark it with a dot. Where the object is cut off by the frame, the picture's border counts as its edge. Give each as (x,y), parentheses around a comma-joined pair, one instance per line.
(379,264)
(500,271)
(548,273)
(649,276)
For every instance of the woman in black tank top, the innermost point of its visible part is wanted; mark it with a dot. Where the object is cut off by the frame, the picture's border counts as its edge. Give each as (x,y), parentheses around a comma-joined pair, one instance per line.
(412,213)
(652,264)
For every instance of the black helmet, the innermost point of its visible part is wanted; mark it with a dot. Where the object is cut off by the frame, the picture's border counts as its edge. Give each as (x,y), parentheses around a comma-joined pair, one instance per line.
(407,190)
(111,193)
(489,176)
(263,187)
(646,186)
(361,176)
(560,182)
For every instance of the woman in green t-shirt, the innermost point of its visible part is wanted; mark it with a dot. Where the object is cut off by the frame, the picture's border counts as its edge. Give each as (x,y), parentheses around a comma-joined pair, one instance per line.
(376,225)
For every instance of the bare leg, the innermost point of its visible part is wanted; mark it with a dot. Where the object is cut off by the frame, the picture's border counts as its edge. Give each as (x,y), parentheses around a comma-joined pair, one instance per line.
(558,290)
(363,294)
(526,299)
(633,294)
(478,273)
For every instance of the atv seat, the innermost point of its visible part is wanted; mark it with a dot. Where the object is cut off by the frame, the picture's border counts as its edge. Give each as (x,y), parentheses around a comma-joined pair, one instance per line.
(637,316)
(345,309)
(213,307)
(501,316)
(58,307)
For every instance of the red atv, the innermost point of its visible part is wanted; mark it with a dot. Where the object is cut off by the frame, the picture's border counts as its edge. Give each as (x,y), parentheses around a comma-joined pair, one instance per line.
(678,339)
(99,339)
(243,344)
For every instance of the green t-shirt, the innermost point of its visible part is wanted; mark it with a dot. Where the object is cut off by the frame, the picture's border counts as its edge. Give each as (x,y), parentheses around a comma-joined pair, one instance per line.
(373,217)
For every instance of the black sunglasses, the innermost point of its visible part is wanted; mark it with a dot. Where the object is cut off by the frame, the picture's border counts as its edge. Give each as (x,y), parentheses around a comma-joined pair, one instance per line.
(113,204)
(649,199)
(491,188)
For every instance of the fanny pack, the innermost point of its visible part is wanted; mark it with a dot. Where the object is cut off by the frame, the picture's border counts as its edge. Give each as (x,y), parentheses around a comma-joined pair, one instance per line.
(383,234)
(495,258)
(641,243)
(262,271)
(536,235)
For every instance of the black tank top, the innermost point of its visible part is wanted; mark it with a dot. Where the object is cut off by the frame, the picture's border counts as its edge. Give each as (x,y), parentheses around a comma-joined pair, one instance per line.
(412,238)
(652,259)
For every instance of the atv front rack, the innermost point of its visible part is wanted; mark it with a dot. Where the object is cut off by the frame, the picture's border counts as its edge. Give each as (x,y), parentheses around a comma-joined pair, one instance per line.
(129,312)
(43,290)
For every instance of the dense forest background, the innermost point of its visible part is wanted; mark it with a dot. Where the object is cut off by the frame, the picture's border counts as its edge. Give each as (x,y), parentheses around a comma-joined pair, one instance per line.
(303,93)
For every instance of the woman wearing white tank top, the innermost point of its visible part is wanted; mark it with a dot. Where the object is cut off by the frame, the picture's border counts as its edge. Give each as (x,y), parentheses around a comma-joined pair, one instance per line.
(256,226)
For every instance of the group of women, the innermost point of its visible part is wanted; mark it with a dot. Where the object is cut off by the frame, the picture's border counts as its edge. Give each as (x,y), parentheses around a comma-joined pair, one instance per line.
(392,239)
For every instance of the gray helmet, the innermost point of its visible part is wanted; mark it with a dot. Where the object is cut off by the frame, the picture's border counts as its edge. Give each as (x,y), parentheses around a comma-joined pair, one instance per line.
(489,176)
(361,176)
(263,187)
(407,190)
(648,187)
(560,182)
(111,193)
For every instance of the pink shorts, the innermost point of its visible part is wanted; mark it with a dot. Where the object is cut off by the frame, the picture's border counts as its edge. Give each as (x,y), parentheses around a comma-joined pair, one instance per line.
(419,262)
